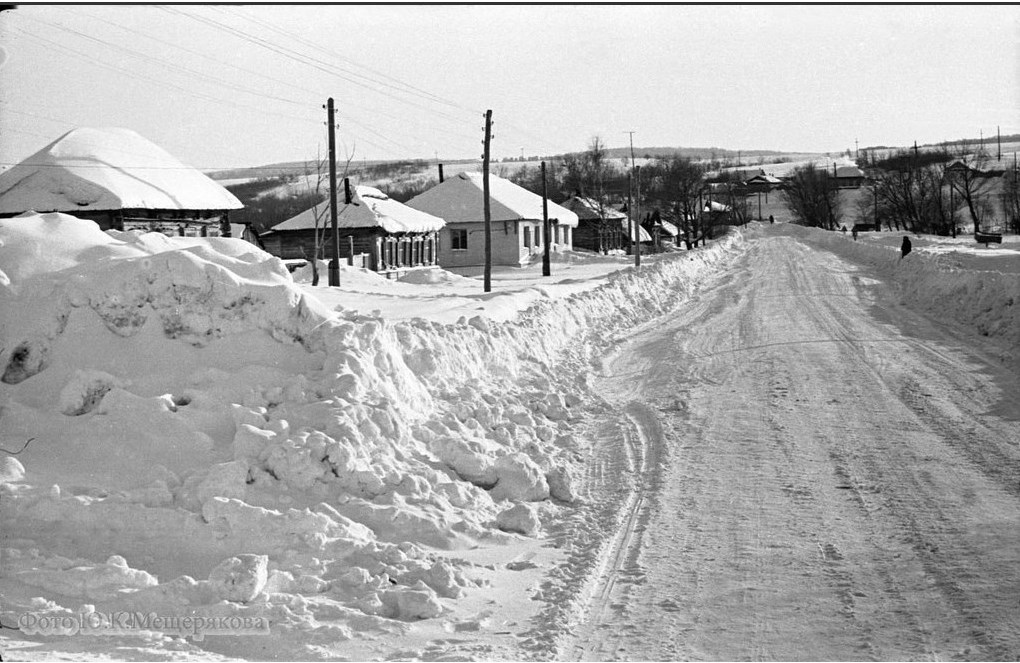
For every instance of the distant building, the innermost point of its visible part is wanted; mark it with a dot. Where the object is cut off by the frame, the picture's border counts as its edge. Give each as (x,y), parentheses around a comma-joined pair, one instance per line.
(762,183)
(516,215)
(600,228)
(386,236)
(848,177)
(119,180)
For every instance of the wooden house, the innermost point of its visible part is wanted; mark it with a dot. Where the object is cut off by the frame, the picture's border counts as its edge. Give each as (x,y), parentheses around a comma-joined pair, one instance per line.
(848,177)
(516,222)
(375,231)
(762,183)
(121,181)
(600,228)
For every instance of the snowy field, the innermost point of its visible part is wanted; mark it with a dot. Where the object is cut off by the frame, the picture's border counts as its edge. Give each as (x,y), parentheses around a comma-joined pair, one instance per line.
(383,470)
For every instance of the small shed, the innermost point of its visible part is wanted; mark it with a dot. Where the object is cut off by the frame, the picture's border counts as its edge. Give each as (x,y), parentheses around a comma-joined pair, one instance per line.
(121,181)
(599,227)
(375,231)
(516,221)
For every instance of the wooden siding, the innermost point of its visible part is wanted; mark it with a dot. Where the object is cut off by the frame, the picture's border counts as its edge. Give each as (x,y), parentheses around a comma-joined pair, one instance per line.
(386,252)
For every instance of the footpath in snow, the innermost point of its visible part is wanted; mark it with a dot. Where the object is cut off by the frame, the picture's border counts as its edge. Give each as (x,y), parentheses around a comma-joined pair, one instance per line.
(215,449)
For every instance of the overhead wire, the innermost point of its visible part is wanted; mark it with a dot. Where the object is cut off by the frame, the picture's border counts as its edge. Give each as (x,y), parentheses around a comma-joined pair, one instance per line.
(131,74)
(310,44)
(396,85)
(307,60)
(314,62)
(247,71)
(176,68)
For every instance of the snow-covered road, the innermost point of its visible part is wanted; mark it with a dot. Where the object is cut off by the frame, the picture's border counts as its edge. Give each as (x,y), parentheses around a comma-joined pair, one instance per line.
(821,474)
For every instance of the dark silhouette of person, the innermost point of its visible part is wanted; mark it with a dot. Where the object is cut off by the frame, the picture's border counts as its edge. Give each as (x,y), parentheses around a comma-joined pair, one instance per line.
(772,219)
(905,248)
(854,233)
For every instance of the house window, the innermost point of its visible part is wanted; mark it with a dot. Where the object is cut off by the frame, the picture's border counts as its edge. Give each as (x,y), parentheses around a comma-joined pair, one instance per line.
(527,237)
(458,239)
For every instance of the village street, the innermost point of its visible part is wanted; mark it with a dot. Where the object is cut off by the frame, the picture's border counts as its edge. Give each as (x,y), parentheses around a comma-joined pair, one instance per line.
(822,475)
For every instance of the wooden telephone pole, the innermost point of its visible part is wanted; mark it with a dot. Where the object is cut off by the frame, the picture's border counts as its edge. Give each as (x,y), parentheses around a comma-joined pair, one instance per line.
(637,216)
(485,202)
(631,222)
(334,250)
(546,258)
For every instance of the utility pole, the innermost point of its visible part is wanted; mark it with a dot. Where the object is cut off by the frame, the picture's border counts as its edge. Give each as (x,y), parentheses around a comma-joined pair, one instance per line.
(998,144)
(546,258)
(637,221)
(334,252)
(630,209)
(857,149)
(485,202)
(631,221)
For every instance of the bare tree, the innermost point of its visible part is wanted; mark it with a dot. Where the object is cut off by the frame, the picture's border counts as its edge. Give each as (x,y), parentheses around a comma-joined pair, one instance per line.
(677,182)
(321,208)
(587,175)
(969,181)
(1011,198)
(813,198)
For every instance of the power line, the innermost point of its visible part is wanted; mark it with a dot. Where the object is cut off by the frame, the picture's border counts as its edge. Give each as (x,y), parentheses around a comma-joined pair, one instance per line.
(318,47)
(177,68)
(250,72)
(314,62)
(127,72)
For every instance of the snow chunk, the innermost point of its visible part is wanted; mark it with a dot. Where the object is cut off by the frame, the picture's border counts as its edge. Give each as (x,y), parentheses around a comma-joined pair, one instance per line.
(11,470)
(85,390)
(98,582)
(240,578)
(520,518)
(519,479)
(416,602)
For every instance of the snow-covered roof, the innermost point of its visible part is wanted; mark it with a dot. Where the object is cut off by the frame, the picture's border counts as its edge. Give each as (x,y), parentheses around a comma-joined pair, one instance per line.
(762,177)
(369,208)
(645,237)
(669,228)
(101,169)
(459,200)
(849,171)
(714,206)
(588,209)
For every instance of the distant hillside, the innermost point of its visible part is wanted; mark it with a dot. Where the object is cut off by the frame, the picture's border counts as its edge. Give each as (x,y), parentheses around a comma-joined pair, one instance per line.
(369,169)
(298,168)
(987,140)
(693,152)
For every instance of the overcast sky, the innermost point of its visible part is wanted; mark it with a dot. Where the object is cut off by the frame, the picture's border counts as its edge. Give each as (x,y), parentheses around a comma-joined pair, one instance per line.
(238,86)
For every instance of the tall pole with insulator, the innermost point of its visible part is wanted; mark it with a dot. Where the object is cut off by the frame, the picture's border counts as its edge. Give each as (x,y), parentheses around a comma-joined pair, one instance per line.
(334,251)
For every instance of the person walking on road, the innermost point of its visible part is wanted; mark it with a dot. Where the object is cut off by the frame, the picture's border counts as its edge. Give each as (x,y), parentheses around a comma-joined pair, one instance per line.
(772,219)
(905,247)
(853,232)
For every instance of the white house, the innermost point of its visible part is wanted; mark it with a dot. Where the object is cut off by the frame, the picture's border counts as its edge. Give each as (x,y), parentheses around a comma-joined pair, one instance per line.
(516,214)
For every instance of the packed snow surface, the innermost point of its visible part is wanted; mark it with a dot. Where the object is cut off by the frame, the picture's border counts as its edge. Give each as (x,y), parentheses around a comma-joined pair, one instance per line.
(346,468)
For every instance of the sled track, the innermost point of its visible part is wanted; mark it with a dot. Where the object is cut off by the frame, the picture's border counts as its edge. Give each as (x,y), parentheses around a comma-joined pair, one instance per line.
(642,436)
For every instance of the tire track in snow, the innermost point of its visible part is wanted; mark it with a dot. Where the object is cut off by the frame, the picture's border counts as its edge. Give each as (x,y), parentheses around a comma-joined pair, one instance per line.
(807,511)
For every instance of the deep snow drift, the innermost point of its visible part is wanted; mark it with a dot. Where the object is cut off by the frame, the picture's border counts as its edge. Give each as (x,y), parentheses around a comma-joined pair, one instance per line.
(209,439)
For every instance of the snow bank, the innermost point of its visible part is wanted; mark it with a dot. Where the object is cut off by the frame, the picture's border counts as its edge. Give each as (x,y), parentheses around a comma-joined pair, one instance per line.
(246,447)
(947,279)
